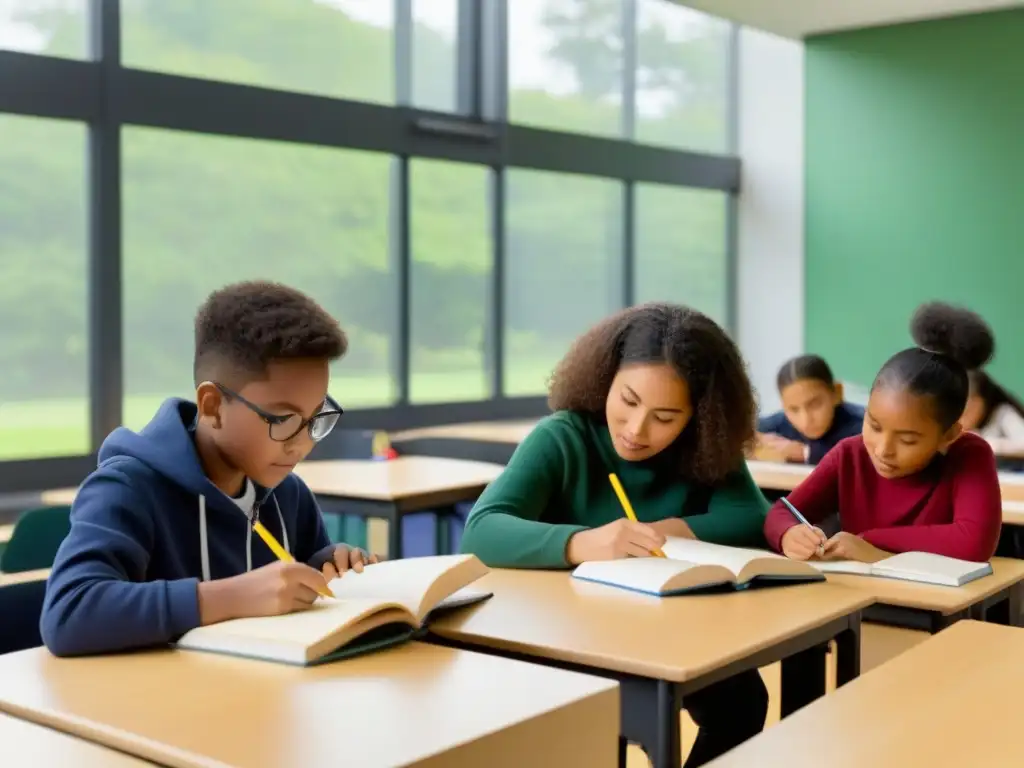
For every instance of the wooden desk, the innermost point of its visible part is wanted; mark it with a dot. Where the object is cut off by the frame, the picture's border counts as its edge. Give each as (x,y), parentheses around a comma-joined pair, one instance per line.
(5,533)
(661,649)
(1013,512)
(392,489)
(25,743)
(58,497)
(952,700)
(417,705)
(932,608)
(1012,486)
(774,476)
(491,441)
(22,577)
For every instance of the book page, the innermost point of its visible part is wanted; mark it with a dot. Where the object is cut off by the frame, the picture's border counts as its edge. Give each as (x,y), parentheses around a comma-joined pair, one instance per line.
(925,565)
(300,629)
(842,566)
(646,574)
(408,581)
(701,552)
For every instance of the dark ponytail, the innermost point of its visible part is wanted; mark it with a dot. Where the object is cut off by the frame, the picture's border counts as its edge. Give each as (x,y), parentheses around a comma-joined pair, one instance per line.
(804,367)
(951,342)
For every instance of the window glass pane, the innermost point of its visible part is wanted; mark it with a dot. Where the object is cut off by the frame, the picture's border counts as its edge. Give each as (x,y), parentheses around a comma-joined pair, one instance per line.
(565,64)
(434,54)
(50,27)
(562,268)
(339,48)
(682,91)
(44,403)
(449,281)
(201,212)
(681,247)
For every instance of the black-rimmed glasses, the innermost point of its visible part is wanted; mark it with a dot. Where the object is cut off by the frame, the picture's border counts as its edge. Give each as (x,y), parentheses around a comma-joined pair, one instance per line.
(284,427)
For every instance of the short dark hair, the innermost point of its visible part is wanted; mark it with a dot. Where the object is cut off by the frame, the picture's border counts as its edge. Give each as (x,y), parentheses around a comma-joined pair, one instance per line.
(713,443)
(804,367)
(951,341)
(242,327)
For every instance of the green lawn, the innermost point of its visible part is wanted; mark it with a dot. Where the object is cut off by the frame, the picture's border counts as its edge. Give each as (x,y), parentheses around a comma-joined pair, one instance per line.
(42,428)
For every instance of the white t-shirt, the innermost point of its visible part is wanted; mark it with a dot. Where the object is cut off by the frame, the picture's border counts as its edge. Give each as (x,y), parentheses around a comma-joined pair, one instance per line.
(247,500)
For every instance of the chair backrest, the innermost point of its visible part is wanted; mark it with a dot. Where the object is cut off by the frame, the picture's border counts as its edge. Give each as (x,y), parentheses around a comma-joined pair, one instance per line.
(21,606)
(36,537)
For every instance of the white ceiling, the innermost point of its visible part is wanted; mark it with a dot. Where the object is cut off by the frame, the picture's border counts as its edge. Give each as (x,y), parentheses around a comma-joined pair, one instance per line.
(799,18)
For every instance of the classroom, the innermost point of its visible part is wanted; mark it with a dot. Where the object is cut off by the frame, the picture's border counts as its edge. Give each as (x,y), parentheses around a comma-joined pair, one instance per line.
(542,383)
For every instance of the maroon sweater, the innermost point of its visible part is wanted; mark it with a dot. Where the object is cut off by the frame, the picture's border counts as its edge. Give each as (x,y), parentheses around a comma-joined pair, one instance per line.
(952,507)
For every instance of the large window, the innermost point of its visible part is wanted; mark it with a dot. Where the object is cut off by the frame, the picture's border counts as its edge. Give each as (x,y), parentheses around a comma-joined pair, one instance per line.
(450,282)
(204,211)
(44,407)
(681,254)
(563,268)
(466,186)
(53,27)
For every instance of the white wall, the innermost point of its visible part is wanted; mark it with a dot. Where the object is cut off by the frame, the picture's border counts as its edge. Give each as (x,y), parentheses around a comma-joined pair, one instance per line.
(770,269)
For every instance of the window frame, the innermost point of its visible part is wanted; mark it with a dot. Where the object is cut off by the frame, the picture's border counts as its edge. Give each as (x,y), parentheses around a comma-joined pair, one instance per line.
(107,96)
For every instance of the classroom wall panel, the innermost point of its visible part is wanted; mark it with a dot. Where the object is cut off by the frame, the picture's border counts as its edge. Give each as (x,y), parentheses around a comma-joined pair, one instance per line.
(915,184)
(770,220)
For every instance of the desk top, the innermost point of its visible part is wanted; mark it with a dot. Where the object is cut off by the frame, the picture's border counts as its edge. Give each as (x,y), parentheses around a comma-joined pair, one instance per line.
(5,532)
(37,745)
(945,600)
(552,615)
(485,431)
(21,577)
(401,478)
(396,707)
(964,682)
(777,476)
(1013,512)
(59,497)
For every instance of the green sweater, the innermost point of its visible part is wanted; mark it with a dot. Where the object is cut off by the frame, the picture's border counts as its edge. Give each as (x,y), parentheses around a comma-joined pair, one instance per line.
(556,484)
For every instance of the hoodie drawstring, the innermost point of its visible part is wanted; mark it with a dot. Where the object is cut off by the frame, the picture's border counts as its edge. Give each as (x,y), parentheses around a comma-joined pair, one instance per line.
(204,542)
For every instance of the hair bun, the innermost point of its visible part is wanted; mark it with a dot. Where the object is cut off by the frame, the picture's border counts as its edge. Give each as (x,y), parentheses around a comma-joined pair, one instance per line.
(953,331)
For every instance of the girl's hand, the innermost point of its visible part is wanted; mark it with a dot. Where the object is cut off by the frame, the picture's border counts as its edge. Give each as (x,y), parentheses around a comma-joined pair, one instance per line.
(846,546)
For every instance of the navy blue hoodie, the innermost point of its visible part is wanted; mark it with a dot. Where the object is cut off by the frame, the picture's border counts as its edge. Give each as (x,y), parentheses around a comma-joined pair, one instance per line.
(848,421)
(146,525)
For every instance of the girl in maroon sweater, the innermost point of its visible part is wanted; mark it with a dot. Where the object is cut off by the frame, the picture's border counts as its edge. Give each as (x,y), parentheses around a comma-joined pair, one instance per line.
(912,481)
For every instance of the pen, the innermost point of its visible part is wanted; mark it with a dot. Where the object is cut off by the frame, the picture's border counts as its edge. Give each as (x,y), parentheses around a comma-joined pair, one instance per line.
(279,552)
(800,517)
(627,507)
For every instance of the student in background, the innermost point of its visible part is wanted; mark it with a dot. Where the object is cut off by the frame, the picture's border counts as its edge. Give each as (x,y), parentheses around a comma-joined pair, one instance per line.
(659,395)
(161,534)
(913,481)
(996,415)
(813,417)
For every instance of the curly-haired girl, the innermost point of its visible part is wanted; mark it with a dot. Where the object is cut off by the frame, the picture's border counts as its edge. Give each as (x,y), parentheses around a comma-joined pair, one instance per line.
(658,394)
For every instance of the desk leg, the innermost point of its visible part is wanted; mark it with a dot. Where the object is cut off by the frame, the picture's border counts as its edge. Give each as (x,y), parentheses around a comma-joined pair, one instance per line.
(848,652)
(443,518)
(803,678)
(1015,599)
(650,718)
(394,518)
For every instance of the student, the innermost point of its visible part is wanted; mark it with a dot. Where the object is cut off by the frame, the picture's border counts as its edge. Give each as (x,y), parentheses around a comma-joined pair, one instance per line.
(996,415)
(913,481)
(659,395)
(161,534)
(813,417)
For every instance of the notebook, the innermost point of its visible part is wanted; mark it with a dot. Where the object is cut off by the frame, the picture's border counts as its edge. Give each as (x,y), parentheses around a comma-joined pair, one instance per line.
(923,567)
(387,603)
(696,566)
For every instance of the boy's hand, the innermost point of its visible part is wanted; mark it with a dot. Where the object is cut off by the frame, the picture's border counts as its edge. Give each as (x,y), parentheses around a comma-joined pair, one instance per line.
(789,450)
(346,557)
(268,591)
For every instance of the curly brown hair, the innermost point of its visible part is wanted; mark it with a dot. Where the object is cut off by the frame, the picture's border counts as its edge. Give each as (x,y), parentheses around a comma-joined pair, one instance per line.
(724,409)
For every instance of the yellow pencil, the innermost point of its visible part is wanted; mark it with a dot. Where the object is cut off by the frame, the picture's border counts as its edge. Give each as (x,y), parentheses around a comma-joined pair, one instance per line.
(626,506)
(279,552)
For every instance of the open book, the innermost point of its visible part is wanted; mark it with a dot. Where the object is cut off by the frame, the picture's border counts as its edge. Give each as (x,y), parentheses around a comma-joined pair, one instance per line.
(912,566)
(693,566)
(387,603)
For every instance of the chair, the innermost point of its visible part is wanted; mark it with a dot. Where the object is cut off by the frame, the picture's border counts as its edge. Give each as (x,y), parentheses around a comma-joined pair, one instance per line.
(36,537)
(21,606)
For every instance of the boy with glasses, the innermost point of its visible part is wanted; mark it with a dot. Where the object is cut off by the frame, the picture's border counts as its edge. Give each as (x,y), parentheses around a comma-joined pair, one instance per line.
(161,534)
